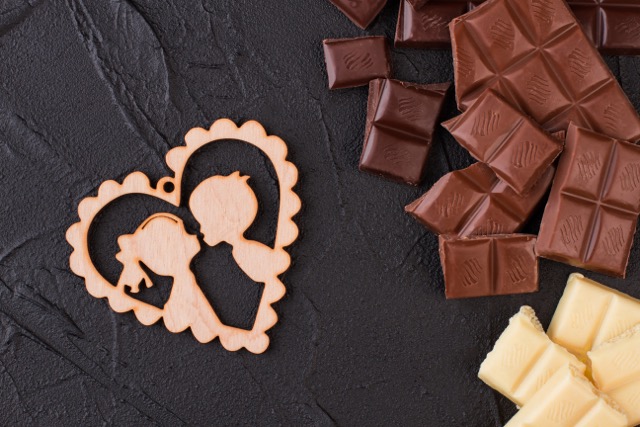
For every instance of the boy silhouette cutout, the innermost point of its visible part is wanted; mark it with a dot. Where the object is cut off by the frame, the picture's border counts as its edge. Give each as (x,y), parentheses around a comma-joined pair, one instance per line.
(225,207)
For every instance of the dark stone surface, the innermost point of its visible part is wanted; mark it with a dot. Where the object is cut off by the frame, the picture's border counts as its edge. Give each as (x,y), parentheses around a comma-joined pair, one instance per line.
(94,89)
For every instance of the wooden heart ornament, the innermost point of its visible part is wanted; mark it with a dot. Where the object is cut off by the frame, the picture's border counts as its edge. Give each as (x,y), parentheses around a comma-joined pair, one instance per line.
(224,206)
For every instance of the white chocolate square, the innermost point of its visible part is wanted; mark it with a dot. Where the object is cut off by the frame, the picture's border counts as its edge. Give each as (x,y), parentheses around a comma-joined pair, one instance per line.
(589,314)
(568,399)
(524,358)
(615,368)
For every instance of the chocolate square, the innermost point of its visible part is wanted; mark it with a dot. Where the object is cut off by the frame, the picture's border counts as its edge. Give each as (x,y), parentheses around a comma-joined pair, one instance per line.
(401,119)
(590,218)
(357,61)
(488,265)
(510,143)
(360,12)
(475,201)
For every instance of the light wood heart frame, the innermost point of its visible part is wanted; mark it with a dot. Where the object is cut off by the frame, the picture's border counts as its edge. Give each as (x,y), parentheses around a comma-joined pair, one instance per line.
(169,189)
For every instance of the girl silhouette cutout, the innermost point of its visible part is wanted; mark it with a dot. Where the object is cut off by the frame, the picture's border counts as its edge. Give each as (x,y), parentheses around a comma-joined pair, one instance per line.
(162,244)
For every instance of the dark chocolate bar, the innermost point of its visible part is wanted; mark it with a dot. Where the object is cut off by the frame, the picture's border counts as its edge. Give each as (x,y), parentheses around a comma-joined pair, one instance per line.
(537,57)
(473,201)
(590,218)
(360,12)
(401,119)
(612,25)
(510,143)
(357,61)
(489,265)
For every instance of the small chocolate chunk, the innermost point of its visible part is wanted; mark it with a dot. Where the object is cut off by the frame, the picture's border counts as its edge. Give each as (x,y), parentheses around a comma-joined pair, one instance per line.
(427,27)
(489,265)
(474,201)
(510,143)
(360,12)
(590,218)
(357,61)
(401,119)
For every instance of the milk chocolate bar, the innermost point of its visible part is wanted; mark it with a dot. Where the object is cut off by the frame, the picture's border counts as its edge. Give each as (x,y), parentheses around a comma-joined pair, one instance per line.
(612,25)
(589,314)
(536,55)
(510,143)
(524,358)
(489,265)
(615,368)
(357,61)
(591,215)
(568,399)
(401,118)
(360,12)
(474,201)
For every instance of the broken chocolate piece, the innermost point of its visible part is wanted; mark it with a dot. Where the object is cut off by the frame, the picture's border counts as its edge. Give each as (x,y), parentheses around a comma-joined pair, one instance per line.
(360,12)
(427,27)
(568,399)
(510,143)
(489,265)
(590,218)
(616,371)
(357,61)
(524,358)
(474,201)
(401,119)
(537,57)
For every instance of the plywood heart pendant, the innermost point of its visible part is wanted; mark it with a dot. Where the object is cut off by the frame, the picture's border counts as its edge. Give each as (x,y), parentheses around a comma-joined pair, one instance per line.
(224,206)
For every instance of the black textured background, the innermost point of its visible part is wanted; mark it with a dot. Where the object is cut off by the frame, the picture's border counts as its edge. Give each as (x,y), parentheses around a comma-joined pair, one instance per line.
(94,89)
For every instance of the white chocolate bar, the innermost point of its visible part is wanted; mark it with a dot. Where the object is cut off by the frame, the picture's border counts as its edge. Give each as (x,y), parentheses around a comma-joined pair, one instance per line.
(615,367)
(568,399)
(524,358)
(589,314)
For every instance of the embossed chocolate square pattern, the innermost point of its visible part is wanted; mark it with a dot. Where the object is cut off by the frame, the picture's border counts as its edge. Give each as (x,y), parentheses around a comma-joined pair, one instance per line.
(590,218)
(510,143)
(401,119)
(428,26)
(613,25)
(474,201)
(357,61)
(488,265)
(360,12)
(537,57)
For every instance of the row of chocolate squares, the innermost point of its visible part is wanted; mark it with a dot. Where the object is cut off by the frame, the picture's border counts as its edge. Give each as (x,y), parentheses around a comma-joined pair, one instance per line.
(584,371)
(612,25)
